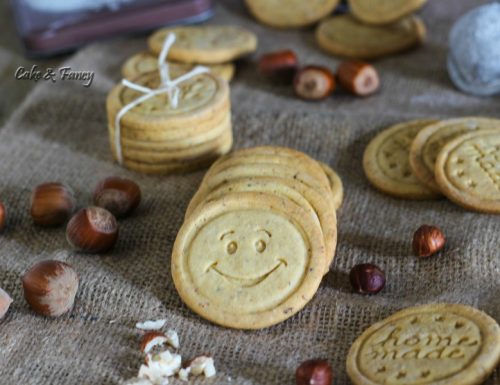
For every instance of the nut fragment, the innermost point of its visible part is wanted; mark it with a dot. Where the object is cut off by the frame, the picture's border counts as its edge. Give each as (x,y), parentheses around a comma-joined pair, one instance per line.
(120,196)
(52,204)
(367,278)
(314,83)
(203,364)
(93,230)
(314,372)
(3,217)
(428,240)
(156,338)
(152,339)
(151,325)
(281,65)
(160,366)
(358,78)
(5,302)
(50,287)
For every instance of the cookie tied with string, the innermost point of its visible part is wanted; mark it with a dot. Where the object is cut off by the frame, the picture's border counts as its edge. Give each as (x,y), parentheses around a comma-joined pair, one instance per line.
(163,121)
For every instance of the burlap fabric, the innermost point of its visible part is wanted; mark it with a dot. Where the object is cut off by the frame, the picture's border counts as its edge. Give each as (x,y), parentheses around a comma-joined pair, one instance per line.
(58,132)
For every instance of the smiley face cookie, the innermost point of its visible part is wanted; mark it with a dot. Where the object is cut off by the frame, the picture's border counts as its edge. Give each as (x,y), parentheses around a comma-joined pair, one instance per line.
(386,162)
(206,44)
(430,141)
(309,199)
(248,260)
(439,344)
(468,171)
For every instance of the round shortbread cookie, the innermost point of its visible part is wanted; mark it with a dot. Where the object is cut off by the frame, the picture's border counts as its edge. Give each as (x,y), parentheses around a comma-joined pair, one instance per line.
(308,166)
(386,161)
(335,185)
(264,169)
(468,171)
(290,13)
(307,198)
(383,12)
(201,98)
(206,44)
(345,36)
(172,132)
(172,145)
(181,166)
(430,141)
(186,154)
(145,62)
(248,260)
(438,344)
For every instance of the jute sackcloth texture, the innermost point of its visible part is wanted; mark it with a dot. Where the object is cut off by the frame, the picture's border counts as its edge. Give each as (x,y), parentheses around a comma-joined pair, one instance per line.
(59,132)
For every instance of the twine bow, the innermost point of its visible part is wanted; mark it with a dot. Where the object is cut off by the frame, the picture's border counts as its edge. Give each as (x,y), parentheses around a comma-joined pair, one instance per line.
(167,86)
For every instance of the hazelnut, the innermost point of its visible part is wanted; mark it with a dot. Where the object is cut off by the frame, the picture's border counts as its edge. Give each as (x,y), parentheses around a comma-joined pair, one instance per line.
(52,204)
(280,65)
(314,372)
(428,240)
(5,302)
(119,196)
(93,230)
(358,78)
(314,83)
(3,217)
(50,287)
(367,278)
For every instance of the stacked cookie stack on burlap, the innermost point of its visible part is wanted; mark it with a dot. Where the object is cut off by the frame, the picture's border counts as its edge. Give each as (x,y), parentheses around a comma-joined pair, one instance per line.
(215,47)
(372,29)
(258,237)
(172,117)
(425,159)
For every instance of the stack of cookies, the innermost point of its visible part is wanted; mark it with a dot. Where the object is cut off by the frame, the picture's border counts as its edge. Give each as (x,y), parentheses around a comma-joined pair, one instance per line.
(372,29)
(159,137)
(258,237)
(213,46)
(425,159)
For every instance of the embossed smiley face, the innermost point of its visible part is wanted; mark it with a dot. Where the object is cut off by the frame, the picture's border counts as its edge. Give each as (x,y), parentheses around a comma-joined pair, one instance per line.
(248,260)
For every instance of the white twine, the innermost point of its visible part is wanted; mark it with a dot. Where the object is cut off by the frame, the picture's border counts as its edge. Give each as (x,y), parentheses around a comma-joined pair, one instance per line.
(167,86)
